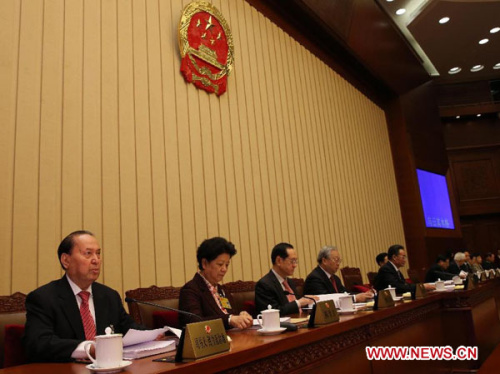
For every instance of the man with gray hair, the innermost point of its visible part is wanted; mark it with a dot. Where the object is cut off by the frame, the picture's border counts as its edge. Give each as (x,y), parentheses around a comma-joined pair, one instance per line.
(322,280)
(456,264)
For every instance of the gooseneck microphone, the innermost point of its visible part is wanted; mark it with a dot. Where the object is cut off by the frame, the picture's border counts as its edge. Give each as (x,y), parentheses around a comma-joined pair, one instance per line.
(191,315)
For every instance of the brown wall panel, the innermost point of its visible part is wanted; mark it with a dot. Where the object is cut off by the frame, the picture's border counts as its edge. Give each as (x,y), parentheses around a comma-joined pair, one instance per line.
(100,131)
(476,174)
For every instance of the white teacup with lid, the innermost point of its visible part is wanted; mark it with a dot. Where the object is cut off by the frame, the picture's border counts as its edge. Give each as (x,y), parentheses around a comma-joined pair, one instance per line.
(108,350)
(392,290)
(439,285)
(346,303)
(269,319)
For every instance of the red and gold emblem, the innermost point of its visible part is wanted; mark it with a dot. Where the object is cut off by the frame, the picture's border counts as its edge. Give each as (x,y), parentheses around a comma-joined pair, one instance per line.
(206,47)
(208,329)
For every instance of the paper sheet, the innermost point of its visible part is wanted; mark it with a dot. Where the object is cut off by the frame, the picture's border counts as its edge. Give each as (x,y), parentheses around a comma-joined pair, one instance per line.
(148,349)
(141,336)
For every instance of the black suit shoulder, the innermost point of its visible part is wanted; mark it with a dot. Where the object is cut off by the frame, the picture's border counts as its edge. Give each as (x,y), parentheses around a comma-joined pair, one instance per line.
(268,291)
(54,327)
(453,268)
(388,276)
(317,283)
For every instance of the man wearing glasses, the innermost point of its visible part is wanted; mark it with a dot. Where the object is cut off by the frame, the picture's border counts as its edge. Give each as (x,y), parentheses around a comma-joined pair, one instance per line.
(389,274)
(275,288)
(322,280)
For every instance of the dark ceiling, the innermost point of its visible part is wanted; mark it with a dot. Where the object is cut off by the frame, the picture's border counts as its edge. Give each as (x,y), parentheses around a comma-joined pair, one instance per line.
(454,43)
(383,54)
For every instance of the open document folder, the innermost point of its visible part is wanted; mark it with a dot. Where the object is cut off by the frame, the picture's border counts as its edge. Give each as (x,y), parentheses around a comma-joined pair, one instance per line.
(142,343)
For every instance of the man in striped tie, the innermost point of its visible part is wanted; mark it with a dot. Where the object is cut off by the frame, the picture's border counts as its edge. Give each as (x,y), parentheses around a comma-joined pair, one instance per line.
(275,288)
(64,314)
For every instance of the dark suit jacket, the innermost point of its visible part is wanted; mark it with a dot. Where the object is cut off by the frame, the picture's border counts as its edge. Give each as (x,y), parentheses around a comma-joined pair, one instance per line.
(268,291)
(488,265)
(53,323)
(453,268)
(436,272)
(317,283)
(466,267)
(196,298)
(388,276)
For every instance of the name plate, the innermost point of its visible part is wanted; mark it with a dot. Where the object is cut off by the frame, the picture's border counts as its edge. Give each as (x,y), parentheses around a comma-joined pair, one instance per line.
(384,300)
(471,281)
(202,339)
(323,313)
(420,291)
(483,276)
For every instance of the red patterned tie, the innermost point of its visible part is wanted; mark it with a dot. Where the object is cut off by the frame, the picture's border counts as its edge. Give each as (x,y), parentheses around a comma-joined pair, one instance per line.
(87,320)
(332,279)
(291,295)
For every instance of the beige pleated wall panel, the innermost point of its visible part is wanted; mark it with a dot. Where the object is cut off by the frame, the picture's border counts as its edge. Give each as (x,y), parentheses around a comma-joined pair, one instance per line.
(100,131)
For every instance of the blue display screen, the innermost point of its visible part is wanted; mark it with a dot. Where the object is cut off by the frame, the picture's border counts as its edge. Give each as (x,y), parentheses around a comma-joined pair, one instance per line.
(435,200)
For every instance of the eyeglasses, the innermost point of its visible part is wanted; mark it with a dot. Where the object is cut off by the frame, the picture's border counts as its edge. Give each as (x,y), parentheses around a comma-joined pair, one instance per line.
(338,260)
(293,262)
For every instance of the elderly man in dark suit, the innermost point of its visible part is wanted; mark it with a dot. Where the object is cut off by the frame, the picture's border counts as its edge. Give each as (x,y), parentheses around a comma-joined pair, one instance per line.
(456,265)
(322,280)
(390,275)
(62,315)
(275,289)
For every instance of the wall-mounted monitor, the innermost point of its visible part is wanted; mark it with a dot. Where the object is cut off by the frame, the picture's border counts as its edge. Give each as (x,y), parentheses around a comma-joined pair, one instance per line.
(435,200)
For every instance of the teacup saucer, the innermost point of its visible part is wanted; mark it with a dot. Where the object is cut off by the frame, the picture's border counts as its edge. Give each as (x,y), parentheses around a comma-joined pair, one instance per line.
(279,330)
(346,311)
(111,370)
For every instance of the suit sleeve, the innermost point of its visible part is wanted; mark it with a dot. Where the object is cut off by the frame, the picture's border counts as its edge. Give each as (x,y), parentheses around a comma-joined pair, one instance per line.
(315,286)
(443,275)
(453,269)
(190,300)
(40,341)
(266,295)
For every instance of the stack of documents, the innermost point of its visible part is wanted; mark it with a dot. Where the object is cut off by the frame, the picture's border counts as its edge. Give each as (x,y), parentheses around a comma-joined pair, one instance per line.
(142,343)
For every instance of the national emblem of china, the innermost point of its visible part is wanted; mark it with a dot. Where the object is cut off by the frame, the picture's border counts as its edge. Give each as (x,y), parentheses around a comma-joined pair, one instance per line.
(206,47)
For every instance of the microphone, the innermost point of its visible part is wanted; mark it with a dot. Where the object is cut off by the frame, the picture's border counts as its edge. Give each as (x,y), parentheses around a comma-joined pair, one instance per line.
(191,315)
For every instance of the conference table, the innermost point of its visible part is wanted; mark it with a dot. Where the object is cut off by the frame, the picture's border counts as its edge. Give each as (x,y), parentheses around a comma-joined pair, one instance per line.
(456,318)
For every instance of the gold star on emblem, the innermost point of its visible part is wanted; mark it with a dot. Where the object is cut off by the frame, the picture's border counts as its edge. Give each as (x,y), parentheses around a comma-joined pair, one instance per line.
(219,36)
(212,41)
(209,23)
(204,36)
(198,23)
